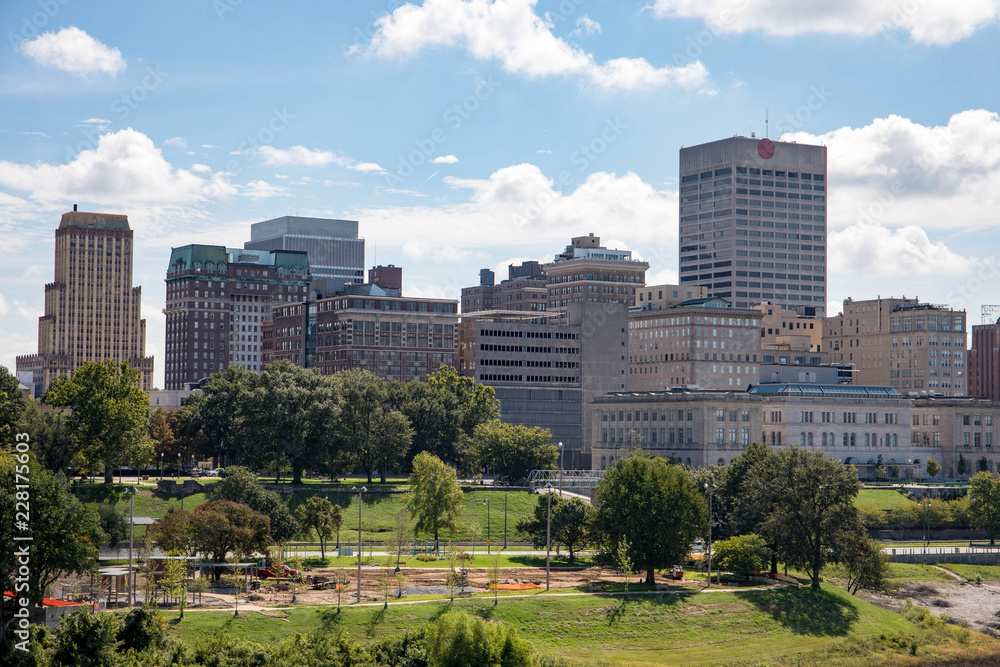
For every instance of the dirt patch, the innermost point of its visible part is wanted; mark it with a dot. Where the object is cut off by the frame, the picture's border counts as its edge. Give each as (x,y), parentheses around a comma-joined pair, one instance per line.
(976,605)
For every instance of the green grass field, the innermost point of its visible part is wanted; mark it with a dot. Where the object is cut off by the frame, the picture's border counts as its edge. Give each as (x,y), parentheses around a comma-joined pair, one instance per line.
(378,511)
(784,626)
(882,499)
(985,572)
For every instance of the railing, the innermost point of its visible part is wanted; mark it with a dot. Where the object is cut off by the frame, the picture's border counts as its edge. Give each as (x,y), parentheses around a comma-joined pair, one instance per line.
(567,480)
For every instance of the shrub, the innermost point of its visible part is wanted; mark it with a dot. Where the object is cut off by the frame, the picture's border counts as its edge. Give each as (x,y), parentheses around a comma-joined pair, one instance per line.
(426,558)
(458,639)
(143,630)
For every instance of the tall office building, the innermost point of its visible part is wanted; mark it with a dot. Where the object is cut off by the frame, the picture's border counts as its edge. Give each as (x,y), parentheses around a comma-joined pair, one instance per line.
(218,300)
(335,251)
(915,348)
(587,272)
(753,222)
(984,361)
(92,311)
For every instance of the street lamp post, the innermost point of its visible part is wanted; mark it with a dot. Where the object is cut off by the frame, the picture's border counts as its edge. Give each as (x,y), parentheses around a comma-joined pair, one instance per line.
(504,519)
(548,535)
(487,503)
(161,466)
(178,473)
(131,528)
(711,488)
(560,468)
(360,491)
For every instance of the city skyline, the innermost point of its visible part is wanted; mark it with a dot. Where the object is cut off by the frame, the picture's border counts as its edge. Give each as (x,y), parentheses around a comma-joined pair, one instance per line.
(487,142)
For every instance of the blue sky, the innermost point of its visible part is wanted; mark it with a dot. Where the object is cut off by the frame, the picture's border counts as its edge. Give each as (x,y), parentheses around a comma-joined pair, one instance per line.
(468,134)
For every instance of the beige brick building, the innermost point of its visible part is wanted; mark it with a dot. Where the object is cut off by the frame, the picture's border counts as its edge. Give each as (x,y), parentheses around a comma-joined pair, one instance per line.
(916,348)
(92,311)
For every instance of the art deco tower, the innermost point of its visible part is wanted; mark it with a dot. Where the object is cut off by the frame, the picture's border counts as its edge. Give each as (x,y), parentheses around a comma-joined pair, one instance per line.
(92,311)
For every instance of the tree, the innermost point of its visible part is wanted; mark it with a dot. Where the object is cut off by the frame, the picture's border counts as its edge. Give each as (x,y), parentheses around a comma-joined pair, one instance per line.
(222,526)
(291,410)
(894,471)
(458,639)
(570,526)
(812,505)
(624,562)
(242,486)
(113,523)
(65,533)
(88,640)
(321,515)
(742,554)
(984,503)
(12,405)
(142,630)
(963,466)
(434,415)
(469,404)
(865,563)
(435,500)
(933,467)
(513,450)
(654,506)
(51,441)
(879,469)
(400,537)
(174,582)
(369,428)
(982,464)
(109,412)
(215,420)
(173,533)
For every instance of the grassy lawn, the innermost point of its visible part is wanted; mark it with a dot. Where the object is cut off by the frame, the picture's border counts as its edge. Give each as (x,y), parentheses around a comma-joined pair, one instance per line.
(900,573)
(480,560)
(882,499)
(378,512)
(985,572)
(781,626)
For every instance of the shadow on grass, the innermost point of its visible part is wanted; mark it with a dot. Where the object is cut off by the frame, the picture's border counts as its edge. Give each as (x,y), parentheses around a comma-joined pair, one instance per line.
(442,610)
(376,619)
(329,618)
(805,611)
(484,611)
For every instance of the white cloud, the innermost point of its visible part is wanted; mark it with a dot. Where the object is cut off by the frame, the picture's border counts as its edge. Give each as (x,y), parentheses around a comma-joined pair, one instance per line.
(938,22)
(445,159)
(543,150)
(125,167)
(99,123)
(201,168)
(210,146)
(367,167)
(586,26)
(36,134)
(262,189)
(73,50)
(300,155)
(524,208)
(510,31)
(875,250)
(897,172)
(176,141)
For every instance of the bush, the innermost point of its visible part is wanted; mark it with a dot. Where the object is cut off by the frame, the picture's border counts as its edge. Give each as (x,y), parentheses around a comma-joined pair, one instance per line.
(457,639)
(426,558)
(87,640)
(143,630)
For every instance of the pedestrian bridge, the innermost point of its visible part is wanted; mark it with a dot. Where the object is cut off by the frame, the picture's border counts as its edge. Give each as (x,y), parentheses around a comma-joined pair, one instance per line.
(582,481)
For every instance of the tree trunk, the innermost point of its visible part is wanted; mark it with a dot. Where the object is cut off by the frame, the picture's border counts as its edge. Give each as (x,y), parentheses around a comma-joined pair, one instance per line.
(109,475)
(297,475)
(369,471)
(651,575)
(383,475)
(774,562)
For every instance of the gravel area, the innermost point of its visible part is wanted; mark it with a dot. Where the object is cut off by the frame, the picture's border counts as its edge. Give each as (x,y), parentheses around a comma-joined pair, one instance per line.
(977,605)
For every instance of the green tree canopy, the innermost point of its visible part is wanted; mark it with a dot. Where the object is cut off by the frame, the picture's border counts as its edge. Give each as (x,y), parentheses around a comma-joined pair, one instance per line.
(320,515)
(215,420)
(374,433)
(51,441)
(65,533)
(742,554)
(435,500)
(457,639)
(109,412)
(653,506)
(933,467)
(571,523)
(984,503)
(864,561)
(811,505)
(173,533)
(242,486)
(513,450)
(222,526)
(12,405)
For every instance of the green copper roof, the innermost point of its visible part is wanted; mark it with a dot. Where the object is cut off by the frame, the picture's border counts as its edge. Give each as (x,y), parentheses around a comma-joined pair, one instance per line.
(215,257)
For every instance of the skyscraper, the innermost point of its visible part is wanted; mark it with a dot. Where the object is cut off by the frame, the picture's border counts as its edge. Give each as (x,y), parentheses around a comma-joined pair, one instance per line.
(335,251)
(753,222)
(217,302)
(92,311)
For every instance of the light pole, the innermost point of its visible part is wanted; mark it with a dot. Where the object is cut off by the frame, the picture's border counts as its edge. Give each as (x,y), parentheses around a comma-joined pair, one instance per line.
(504,519)
(710,488)
(161,466)
(131,528)
(360,491)
(548,535)
(178,465)
(560,468)
(926,502)
(487,503)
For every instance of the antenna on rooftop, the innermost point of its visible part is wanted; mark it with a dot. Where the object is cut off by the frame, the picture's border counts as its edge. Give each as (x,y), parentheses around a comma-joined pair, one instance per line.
(767,133)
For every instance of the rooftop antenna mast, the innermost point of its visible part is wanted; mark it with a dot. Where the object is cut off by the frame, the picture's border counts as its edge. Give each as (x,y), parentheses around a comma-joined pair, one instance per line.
(767,132)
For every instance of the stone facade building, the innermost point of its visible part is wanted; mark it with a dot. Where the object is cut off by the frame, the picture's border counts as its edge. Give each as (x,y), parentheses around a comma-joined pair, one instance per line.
(92,310)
